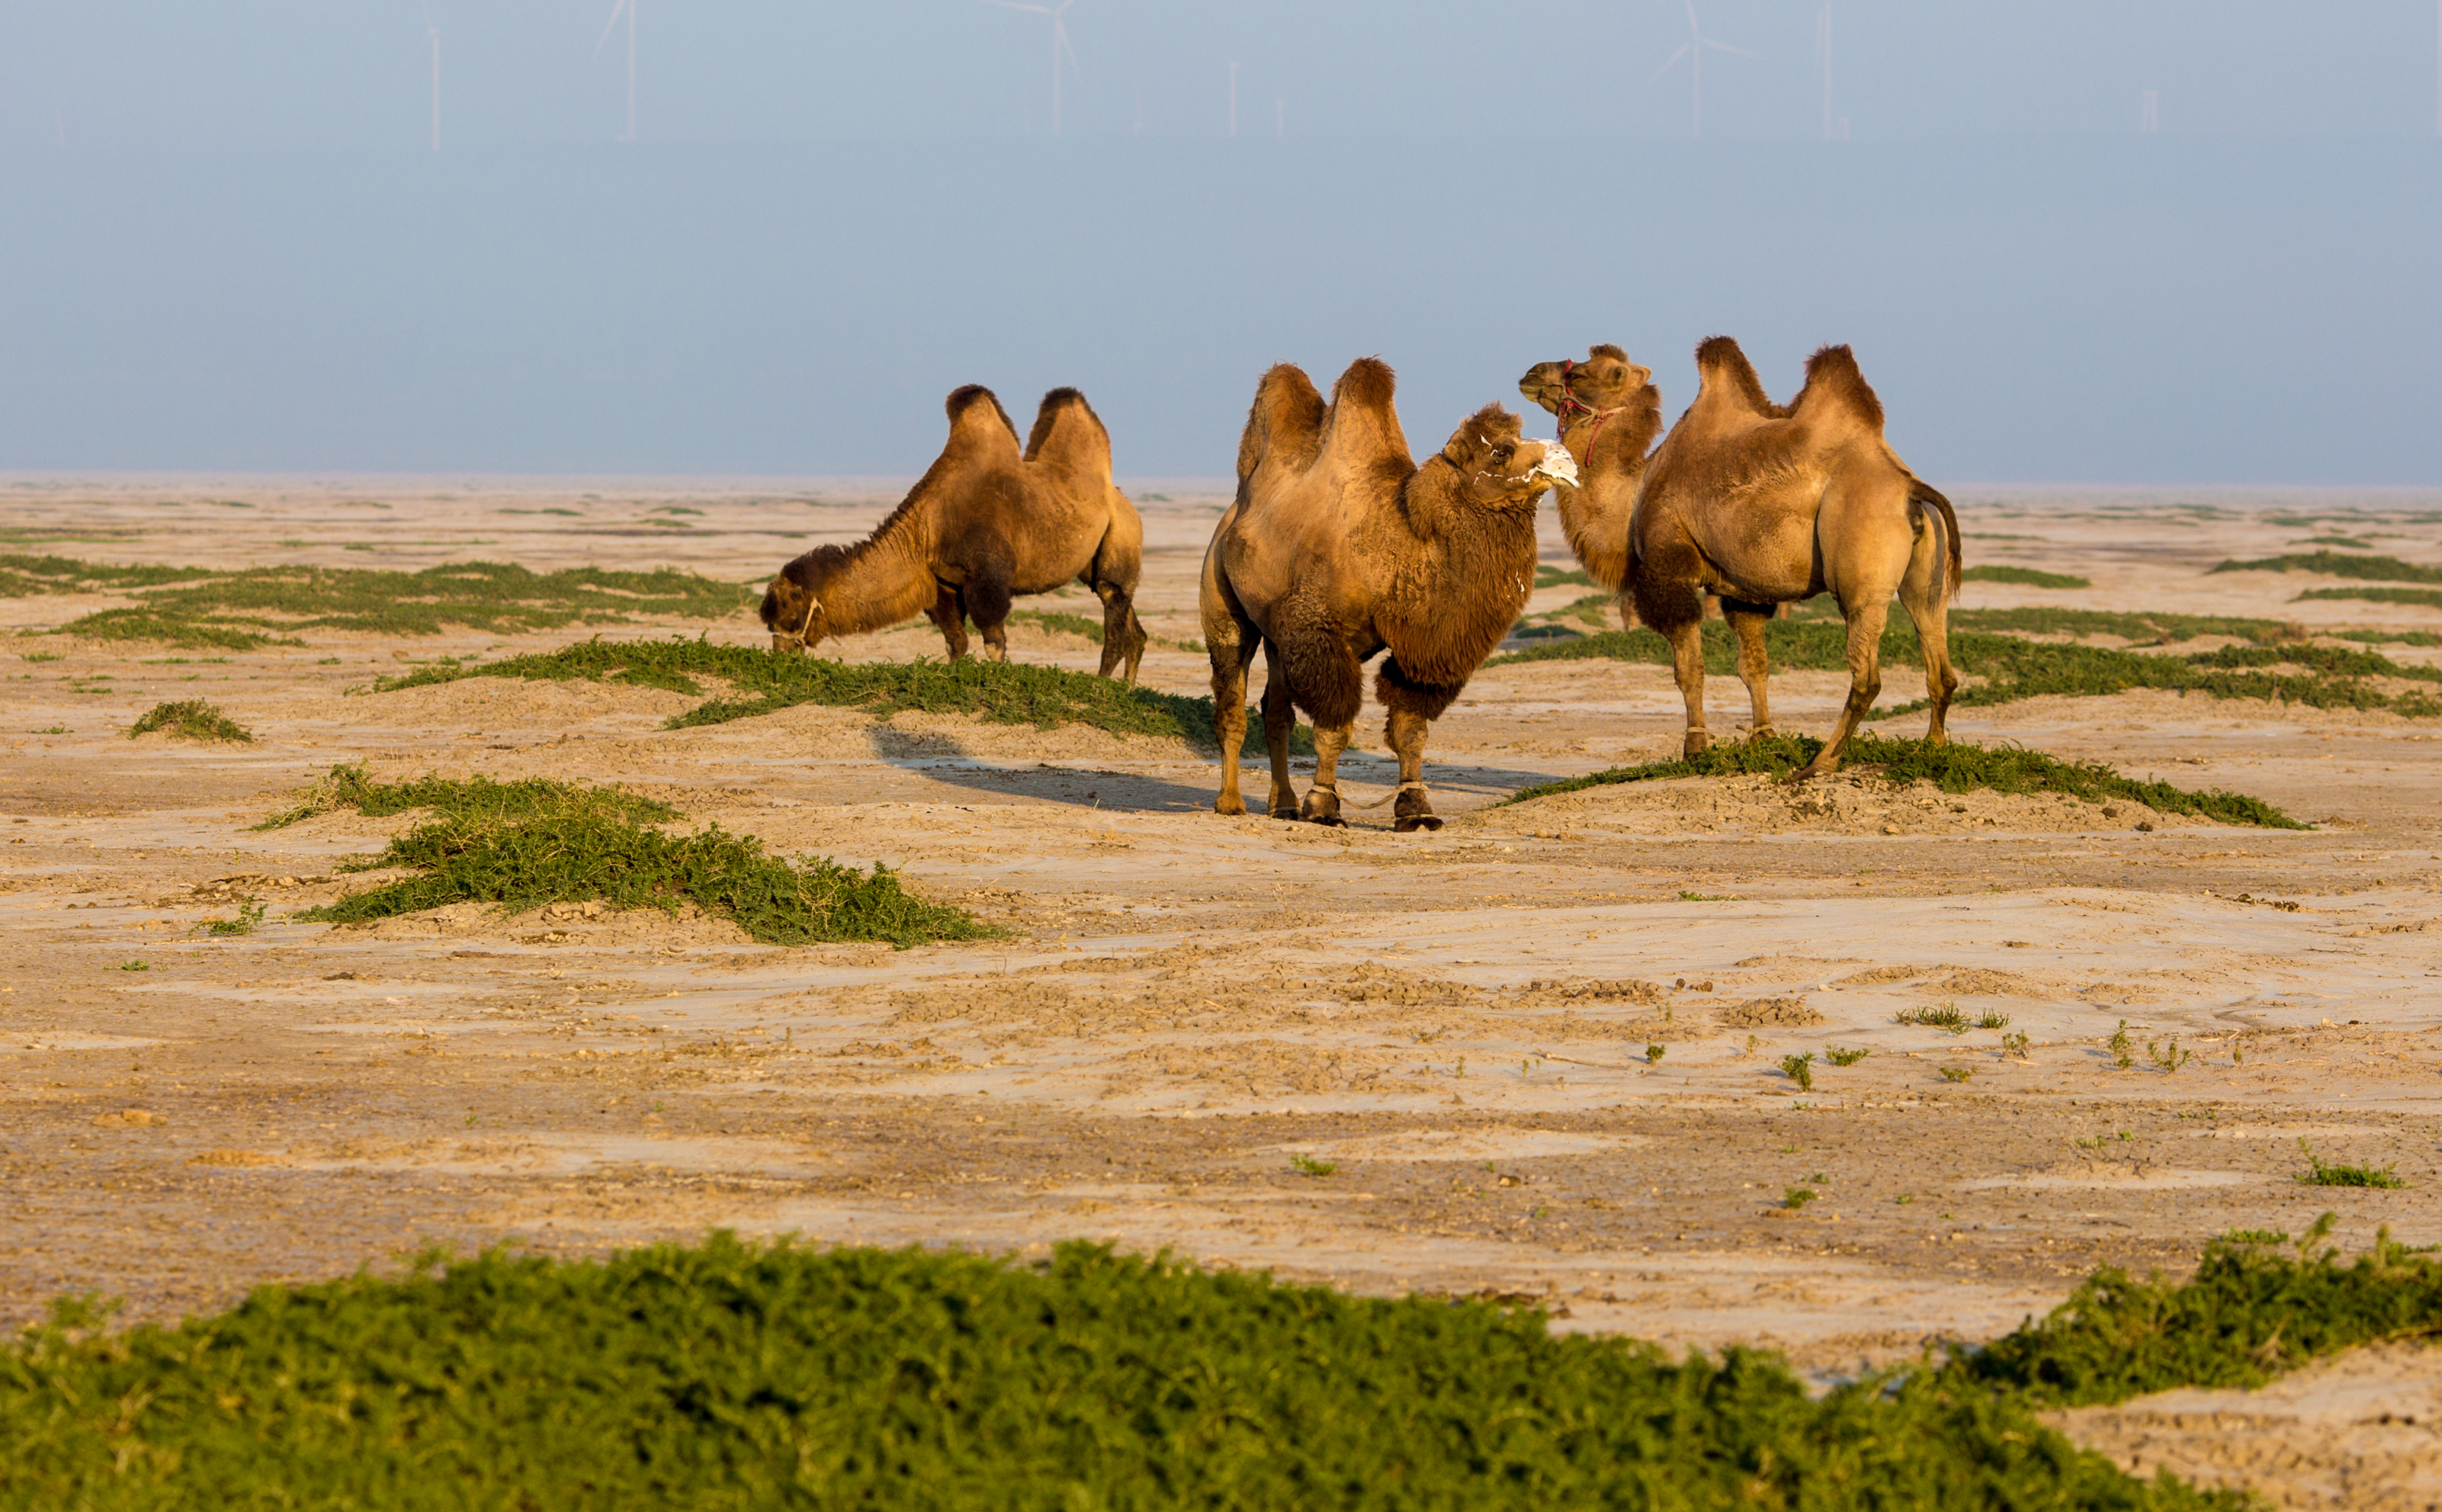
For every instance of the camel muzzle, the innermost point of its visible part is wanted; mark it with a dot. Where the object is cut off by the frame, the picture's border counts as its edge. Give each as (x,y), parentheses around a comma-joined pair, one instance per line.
(1556,466)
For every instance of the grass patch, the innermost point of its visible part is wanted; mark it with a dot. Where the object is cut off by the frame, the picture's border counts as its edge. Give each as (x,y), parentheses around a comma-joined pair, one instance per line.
(1061,624)
(2423,597)
(2338,564)
(1002,692)
(249,913)
(2322,1175)
(2014,668)
(477,799)
(246,608)
(192,720)
(1562,578)
(582,846)
(1957,767)
(2023,576)
(2249,1314)
(730,1374)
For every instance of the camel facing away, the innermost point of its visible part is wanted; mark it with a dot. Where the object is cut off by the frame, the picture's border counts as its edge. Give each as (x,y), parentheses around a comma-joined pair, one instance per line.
(1609,413)
(1765,505)
(986,522)
(1338,547)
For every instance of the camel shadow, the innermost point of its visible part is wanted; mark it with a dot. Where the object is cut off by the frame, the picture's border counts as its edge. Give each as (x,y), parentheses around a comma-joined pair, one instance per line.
(944,760)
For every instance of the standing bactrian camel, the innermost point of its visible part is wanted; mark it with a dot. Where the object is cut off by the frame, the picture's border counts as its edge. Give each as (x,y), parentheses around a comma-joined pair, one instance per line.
(984,523)
(1338,547)
(1765,504)
(1609,412)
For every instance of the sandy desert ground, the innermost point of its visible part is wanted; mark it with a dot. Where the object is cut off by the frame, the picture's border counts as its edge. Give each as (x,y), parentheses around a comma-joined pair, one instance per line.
(1184,1003)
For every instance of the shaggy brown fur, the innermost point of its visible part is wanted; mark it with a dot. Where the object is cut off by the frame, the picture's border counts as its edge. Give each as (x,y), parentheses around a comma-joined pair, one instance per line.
(1609,412)
(1338,547)
(1765,505)
(985,523)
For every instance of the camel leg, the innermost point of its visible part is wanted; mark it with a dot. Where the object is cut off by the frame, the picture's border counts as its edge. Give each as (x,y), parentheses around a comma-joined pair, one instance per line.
(1322,804)
(1687,665)
(1404,731)
(1232,659)
(1123,636)
(1755,663)
(1279,720)
(1925,593)
(987,600)
(1663,590)
(1864,684)
(949,612)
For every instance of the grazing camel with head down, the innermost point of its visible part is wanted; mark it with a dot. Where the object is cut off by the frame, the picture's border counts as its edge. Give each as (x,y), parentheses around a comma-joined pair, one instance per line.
(1765,505)
(1339,547)
(986,522)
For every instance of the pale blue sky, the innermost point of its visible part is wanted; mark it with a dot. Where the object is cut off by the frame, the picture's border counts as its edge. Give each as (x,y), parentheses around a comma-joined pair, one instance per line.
(230,245)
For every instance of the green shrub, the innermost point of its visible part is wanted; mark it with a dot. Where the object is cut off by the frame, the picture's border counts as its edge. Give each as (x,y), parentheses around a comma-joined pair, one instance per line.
(2339,564)
(2248,1315)
(192,720)
(587,852)
(2024,576)
(2426,597)
(729,1375)
(2322,1175)
(1954,767)
(478,799)
(1003,692)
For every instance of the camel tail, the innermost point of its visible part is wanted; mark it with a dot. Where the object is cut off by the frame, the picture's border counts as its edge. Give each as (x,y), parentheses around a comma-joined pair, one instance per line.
(1921,492)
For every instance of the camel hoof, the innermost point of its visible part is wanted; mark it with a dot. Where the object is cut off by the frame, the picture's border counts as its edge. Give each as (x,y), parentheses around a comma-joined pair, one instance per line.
(1230,803)
(1761,731)
(1697,742)
(1409,824)
(1320,808)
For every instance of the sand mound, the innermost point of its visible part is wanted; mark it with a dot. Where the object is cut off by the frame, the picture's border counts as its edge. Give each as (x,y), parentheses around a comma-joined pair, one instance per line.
(511,705)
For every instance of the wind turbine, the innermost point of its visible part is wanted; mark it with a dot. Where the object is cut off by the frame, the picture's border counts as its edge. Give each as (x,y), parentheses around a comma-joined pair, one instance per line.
(1693,50)
(1059,46)
(432,33)
(1823,54)
(629,7)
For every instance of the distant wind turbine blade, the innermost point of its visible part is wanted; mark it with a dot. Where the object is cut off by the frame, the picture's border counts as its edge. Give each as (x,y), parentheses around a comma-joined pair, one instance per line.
(1666,67)
(1064,48)
(1724,47)
(616,11)
(1012,4)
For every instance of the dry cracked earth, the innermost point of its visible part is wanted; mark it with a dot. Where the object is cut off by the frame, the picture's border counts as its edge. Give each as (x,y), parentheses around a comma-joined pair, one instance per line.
(1537,1055)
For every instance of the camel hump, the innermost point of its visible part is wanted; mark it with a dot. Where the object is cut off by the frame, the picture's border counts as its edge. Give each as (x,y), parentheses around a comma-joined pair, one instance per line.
(1721,358)
(1067,406)
(1833,377)
(1285,422)
(1361,433)
(966,407)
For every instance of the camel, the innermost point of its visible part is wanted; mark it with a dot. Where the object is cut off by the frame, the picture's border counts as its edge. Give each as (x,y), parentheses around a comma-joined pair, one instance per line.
(1609,412)
(1765,505)
(984,523)
(1338,547)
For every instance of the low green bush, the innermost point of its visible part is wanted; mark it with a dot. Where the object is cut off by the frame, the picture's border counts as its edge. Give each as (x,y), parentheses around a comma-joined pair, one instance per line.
(587,853)
(734,1376)
(192,720)
(1003,692)
(2023,576)
(1956,766)
(2338,564)
(2249,1313)
(477,799)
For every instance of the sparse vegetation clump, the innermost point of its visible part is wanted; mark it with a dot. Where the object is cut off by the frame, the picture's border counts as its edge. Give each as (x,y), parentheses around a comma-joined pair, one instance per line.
(2339,564)
(1955,767)
(1845,1056)
(2023,576)
(2323,1174)
(1003,692)
(1992,647)
(522,845)
(2424,597)
(729,1374)
(477,799)
(253,606)
(2249,1314)
(192,720)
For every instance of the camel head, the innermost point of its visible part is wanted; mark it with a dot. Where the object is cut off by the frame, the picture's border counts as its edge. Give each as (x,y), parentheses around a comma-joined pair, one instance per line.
(1603,384)
(792,606)
(1497,466)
